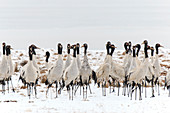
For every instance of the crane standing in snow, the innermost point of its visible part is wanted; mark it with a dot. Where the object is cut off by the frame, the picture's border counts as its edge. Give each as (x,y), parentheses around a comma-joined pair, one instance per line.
(10,67)
(86,73)
(71,72)
(56,71)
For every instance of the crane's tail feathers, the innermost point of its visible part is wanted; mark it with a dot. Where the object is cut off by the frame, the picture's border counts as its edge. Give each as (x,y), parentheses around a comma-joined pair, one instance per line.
(46,82)
(94,77)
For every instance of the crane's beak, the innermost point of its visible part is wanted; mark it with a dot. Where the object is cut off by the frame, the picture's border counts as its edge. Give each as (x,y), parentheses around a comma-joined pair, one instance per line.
(82,46)
(37,47)
(161,46)
(151,48)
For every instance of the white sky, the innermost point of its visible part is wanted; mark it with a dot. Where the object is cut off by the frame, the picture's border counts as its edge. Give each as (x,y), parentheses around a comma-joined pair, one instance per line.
(47,22)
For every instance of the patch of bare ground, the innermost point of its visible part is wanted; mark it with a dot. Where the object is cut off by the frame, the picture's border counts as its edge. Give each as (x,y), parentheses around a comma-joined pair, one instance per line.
(165,60)
(55,54)
(43,71)
(65,55)
(161,55)
(38,63)
(21,54)
(16,67)
(164,65)
(23,63)
(123,53)
(120,57)
(23,94)
(89,54)
(23,87)
(10,101)
(41,90)
(38,85)
(43,78)
(30,101)
(94,58)
(164,73)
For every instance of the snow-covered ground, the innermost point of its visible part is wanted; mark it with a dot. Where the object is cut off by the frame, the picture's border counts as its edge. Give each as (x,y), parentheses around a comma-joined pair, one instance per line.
(111,103)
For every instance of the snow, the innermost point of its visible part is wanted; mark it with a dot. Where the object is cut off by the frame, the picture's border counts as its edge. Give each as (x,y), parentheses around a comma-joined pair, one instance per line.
(111,103)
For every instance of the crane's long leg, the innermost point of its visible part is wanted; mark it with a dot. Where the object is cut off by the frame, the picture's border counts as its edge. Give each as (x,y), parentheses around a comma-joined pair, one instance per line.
(140,92)
(105,88)
(152,87)
(145,89)
(165,83)
(72,91)
(86,91)
(29,91)
(123,88)
(132,90)
(8,84)
(113,85)
(68,90)
(118,88)
(12,86)
(48,89)
(102,89)
(129,89)
(158,89)
(32,89)
(56,89)
(80,90)
(169,91)
(90,89)
(142,85)
(83,92)
(35,89)
(125,85)
(156,80)
(76,89)
(3,89)
(110,85)
(136,93)
(59,91)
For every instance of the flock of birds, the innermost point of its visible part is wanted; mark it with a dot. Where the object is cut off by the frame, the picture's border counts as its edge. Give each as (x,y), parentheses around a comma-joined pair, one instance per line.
(74,74)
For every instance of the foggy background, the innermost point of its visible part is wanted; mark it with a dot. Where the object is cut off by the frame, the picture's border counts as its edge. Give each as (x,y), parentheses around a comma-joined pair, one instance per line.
(47,22)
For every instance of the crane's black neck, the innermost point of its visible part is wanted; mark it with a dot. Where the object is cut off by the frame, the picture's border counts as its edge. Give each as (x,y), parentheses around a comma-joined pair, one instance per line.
(33,51)
(68,50)
(60,50)
(134,54)
(78,50)
(152,52)
(85,50)
(107,48)
(30,56)
(129,48)
(126,49)
(8,51)
(112,51)
(137,53)
(74,53)
(157,50)
(4,47)
(47,57)
(146,52)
